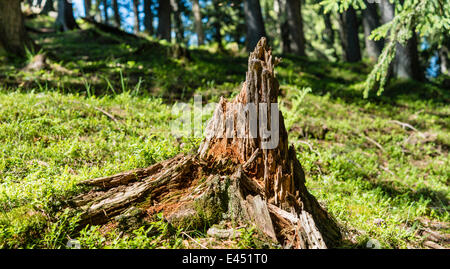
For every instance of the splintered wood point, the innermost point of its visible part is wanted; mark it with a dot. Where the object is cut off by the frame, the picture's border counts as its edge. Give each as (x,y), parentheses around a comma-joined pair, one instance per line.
(239,174)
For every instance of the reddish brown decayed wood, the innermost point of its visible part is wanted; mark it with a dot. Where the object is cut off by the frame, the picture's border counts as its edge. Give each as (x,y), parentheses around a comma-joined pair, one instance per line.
(266,187)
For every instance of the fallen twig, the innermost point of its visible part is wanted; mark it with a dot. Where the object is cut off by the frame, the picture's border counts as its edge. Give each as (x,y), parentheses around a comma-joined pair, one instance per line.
(194,240)
(403,124)
(373,142)
(310,147)
(107,114)
(387,170)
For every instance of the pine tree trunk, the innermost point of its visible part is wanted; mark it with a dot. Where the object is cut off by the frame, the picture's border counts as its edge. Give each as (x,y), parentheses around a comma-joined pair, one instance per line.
(13,37)
(115,7)
(148,18)
(406,62)
(329,31)
(137,23)
(48,6)
(283,27)
(65,20)
(387,13)
(179,31)
(295,27)
(105,11)
(349,35)
(164,21)
(371,21)
(87,8)
(244,173)
(444,59)
(198,24)
(254,22)
(98,12)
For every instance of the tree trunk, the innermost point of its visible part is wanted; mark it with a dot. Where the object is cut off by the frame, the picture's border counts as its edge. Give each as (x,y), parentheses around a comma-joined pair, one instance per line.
(65,20)
(164,21)
(244,173)
(349,35)
(254,22)
(371,21)
(329,31)
(444,59)
(105,11)
(216,24)
(48,6)
(137,23)
(115,6)
(87,8)
(13,37)
(179,30)
(148,18)
(295,27)
(387,13)
(198,23)
(98,12)
(406,63)
(283,28)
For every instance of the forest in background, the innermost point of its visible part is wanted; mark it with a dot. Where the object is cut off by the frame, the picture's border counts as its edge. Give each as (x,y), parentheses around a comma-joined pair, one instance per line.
(86,91)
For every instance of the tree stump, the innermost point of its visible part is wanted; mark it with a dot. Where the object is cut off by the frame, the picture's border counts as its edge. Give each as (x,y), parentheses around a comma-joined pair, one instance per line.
(244,172)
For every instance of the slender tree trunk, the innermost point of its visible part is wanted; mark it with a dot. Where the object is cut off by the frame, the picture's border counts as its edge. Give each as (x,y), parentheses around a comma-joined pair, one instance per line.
(137,23)
(148,18)
(295,25)
(164,20)
(98,12)
(198,22)
(371,21)
(349,35)
(216,24)
(254,22)
(13,37)
(87,8)
(279,7)
(48,6)
(179,30)
(217,33)
(115,6)
(105,11)
(65,20)
(406,63)
(444,59)
(387,13)
(329,32)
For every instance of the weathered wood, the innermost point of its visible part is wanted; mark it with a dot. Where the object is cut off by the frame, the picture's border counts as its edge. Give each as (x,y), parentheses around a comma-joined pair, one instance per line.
(127,177)
(259,214)
(234,176)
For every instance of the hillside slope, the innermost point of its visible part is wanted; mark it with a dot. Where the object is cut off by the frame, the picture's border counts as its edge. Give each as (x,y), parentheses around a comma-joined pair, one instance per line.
(102,105)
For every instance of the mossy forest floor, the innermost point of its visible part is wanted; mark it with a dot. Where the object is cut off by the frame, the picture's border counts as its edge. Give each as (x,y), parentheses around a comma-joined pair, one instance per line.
(379,165)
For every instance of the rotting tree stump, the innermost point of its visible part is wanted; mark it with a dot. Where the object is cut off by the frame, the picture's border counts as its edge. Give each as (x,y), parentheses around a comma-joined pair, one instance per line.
(236,175)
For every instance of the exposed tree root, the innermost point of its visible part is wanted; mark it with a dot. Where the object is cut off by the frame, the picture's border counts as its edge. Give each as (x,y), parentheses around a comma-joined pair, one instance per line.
(236,179)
